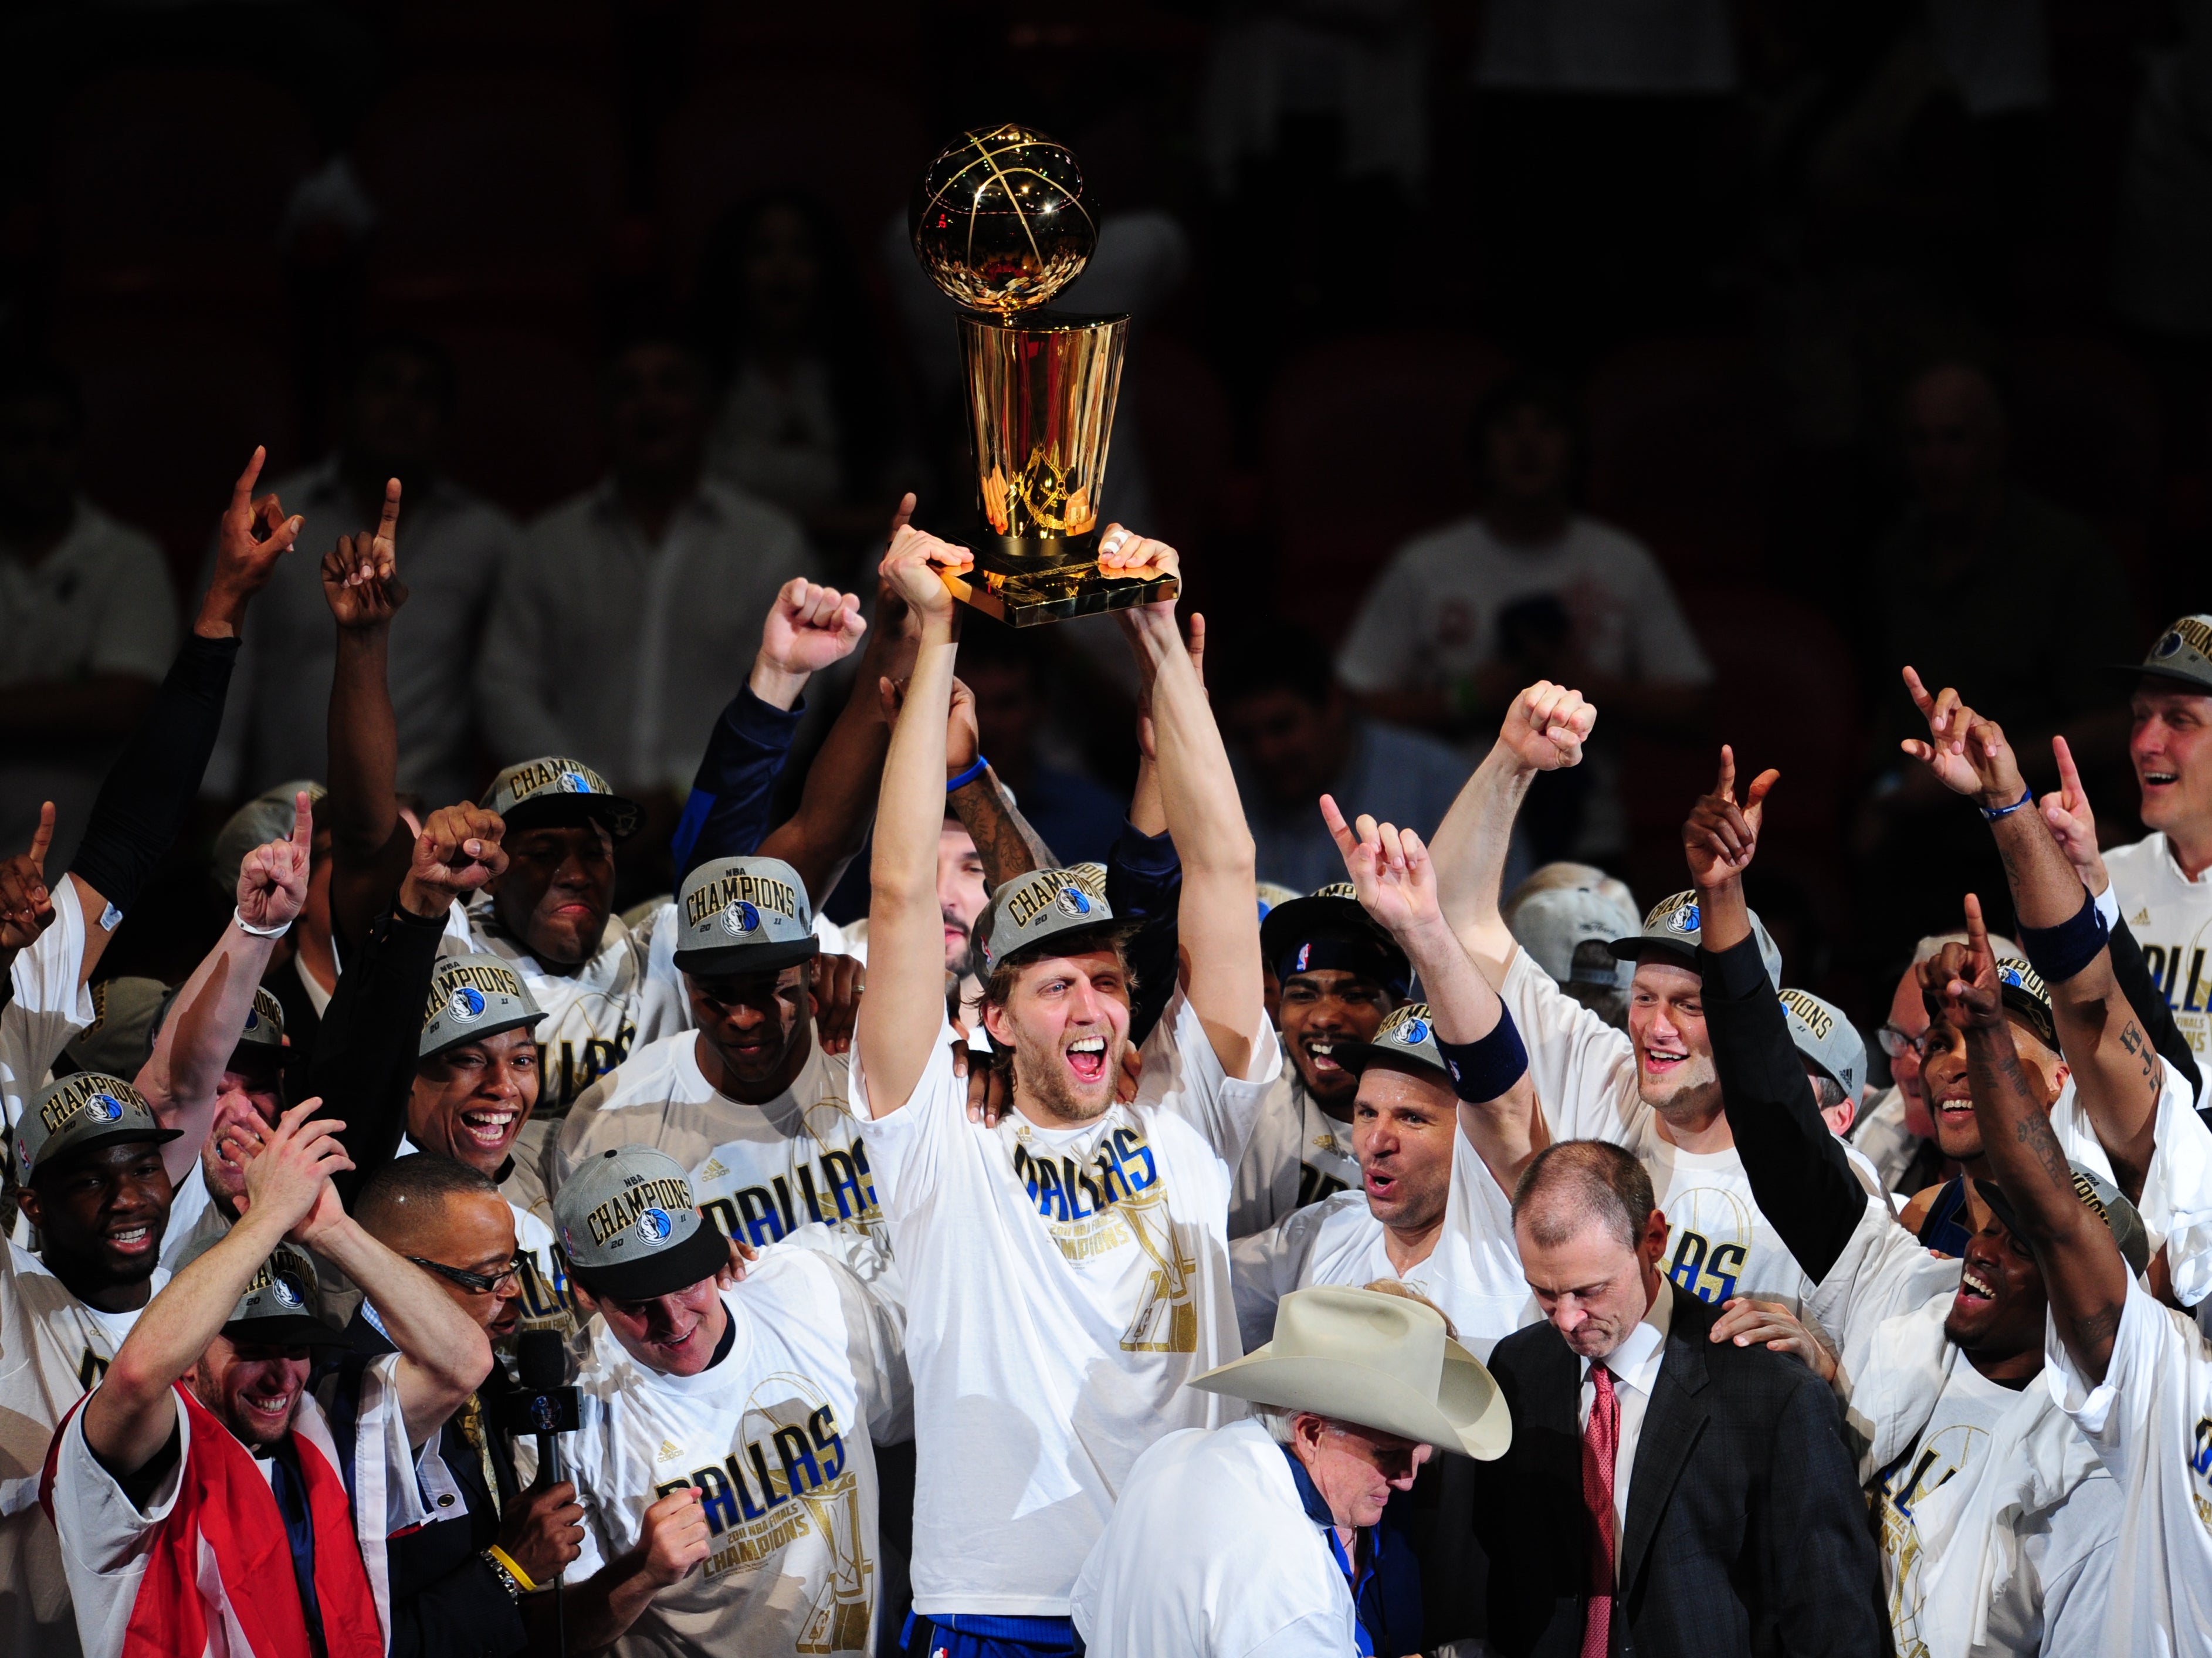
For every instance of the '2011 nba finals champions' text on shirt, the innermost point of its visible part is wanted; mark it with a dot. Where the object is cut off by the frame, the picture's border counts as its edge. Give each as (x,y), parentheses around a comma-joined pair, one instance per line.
(1101,1205)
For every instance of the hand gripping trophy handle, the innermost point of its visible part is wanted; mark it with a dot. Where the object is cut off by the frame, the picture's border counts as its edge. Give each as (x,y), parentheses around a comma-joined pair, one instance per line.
(1001,225)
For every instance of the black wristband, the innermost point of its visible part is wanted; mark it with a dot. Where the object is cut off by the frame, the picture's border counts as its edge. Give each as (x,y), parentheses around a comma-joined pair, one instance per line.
(2058,953)
(1484,1070)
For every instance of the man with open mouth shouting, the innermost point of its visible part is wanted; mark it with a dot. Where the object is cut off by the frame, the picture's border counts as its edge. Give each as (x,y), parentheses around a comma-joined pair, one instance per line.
(1340,975)
(1068,1267)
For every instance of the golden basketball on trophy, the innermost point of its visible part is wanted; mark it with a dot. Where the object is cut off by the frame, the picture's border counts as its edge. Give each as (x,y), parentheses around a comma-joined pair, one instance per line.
(1001,224)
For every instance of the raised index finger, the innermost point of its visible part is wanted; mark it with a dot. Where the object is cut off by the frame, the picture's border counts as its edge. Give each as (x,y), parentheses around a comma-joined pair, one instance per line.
(2069,779)
(1978,934)
(42,837)
(242,494)
(1724,785)
(303,823)
(1338,828)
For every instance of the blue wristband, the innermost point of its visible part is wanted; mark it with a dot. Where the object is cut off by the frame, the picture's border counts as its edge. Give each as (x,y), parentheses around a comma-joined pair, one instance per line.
(970,775)
(2058,953)
(1993,812)
(1485,1070)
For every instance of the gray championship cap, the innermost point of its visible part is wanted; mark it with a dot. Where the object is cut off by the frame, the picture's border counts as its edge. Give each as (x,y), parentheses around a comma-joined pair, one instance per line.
(1825,1037)
(1673,926)
(1554,923)
(746,915)
(264,818)
(278,1308)
(1029,909)
(2098,1195)
(75,1114)
(473,996)
(2021,988)
(2182,654)
(555,792)
(630,1228)
(1406,1041)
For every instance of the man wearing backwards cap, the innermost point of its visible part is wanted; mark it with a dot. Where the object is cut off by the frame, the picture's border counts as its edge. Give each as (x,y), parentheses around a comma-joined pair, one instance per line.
(1339,974)
(2159,884)
(200,1468)
(725,1457)
(1440,1092)
(2114,1101)
(1066,1267)
(98,1166)
(1652,1089)
(1996,1522)
(1262,1537)
(750,1104)
(2135,1377)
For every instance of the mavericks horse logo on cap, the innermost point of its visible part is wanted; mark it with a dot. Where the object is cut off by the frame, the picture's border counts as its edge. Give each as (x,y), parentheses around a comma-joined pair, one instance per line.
(465,1005)
(573,783)
(1415,1031)
(106,1105)
(740,918)
(654,1227)
(287,1291)
(1684,920)
(1072,902)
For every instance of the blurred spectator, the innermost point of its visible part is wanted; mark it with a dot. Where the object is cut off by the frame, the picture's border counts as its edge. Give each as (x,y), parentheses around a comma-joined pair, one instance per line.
(2162,264)
(452,542)
(1465,616)
(1987,586)
(1294,736)
(1567,916)
(1008,671)
(88,617)
(807,419)
(625,617)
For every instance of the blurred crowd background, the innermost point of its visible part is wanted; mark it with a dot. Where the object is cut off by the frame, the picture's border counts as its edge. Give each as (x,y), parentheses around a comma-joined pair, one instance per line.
(1758,346)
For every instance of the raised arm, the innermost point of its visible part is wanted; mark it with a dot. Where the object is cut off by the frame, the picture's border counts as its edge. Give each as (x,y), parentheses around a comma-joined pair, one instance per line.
(808,628)
(1395,877)
(904,1009)
(130,1416)
(1218,919)
(2082,1271)
(1544,730)
(182,1076)
(2117,1075)
(369,840)
(147,792)
(1799,1178)
(443,1352)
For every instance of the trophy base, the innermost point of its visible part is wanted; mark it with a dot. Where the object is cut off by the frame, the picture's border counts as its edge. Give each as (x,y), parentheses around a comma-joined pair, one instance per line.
(1028,583)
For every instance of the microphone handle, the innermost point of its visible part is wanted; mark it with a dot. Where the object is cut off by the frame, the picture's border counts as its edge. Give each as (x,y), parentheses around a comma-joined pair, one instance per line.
(552,1472)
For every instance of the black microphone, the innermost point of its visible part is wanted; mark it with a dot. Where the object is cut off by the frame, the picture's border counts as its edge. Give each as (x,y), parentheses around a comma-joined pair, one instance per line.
(541,1405)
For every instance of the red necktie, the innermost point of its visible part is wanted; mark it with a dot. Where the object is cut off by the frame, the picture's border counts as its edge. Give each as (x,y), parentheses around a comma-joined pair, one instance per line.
(1601,1443)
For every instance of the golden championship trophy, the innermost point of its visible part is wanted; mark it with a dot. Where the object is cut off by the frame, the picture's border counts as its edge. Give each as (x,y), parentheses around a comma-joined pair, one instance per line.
(1000,224)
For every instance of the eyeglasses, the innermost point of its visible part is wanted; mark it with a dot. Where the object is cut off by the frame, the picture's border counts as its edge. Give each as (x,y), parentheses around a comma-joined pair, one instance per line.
(1896,1044)
(476,1284)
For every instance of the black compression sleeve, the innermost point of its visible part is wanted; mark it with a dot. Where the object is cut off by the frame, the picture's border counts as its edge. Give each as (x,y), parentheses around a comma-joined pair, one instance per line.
(151,786)
(1799,1178)
(365,1048)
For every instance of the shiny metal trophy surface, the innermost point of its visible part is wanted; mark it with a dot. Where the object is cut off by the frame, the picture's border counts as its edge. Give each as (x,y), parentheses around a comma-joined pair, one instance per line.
(1000,224)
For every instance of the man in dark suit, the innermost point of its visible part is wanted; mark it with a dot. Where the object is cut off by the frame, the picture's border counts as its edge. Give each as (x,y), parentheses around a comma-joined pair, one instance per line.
(1662,1494)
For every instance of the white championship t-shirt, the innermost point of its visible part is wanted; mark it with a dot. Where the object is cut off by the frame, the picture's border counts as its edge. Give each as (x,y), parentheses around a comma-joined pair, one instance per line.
(1718,1245)
(46,1006)
(779,1440)
(629,994)
(1062,1285)
(1298,1155)
(760,1171)
(2151,1420)
(52,1348)
(2171,916)
(1472,1275)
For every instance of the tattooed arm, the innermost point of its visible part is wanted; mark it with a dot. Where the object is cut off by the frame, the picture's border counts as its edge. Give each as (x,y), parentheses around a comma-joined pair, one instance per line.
(2082,1271)
(2116,1071)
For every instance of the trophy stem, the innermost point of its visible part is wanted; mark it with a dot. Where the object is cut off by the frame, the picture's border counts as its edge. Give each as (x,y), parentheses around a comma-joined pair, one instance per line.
(1041,392)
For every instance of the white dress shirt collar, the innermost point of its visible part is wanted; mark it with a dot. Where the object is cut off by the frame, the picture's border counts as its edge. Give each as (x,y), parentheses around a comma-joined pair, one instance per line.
(1635,1362)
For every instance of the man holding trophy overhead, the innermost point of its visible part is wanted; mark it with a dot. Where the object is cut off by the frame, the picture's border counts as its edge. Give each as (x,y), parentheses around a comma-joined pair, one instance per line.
(1000,224)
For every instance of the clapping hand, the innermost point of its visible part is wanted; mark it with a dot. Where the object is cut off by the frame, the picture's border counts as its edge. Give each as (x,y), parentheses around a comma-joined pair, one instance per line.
(272,879)
(287,1173)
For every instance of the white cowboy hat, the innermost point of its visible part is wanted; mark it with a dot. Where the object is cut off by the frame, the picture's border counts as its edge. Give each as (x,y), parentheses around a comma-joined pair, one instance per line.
(1380,1360)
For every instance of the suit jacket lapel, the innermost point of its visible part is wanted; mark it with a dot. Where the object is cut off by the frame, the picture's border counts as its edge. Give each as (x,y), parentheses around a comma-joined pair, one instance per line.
(1672,1424)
